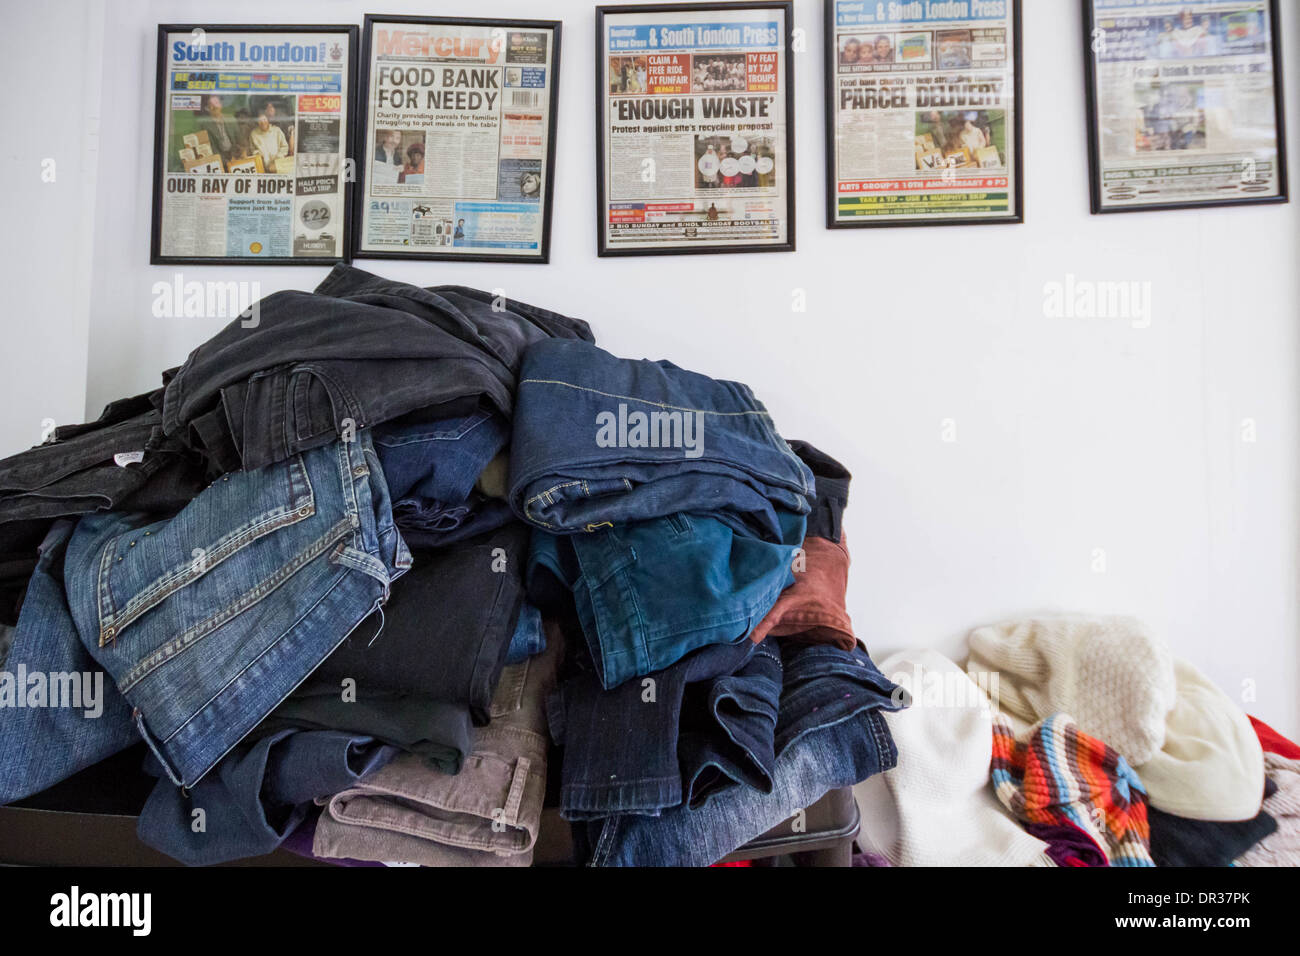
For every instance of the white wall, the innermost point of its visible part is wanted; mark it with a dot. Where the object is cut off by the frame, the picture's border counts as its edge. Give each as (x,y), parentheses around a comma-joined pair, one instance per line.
(47,166)
(1072,435)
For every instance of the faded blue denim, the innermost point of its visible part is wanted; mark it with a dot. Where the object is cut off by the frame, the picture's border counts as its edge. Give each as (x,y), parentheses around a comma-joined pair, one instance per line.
(40,746)
(208,620)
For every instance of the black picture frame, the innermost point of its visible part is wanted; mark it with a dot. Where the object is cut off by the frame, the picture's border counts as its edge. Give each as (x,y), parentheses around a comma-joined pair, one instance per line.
(362,131)
(1094,139)
(352,32)
(830,59)
(602,169)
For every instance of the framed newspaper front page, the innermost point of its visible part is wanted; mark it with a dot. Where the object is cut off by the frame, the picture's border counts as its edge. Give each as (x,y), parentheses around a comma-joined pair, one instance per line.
(923,113)
(1184,103)
(252,127)
(456,144)
(694,128)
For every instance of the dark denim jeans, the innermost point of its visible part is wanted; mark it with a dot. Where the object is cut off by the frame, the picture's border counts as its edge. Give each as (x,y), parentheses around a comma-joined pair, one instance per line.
(447,626)
(601,441)
(651,592)
(40,746)
(702,725)
(208,620)
(437,731)
(831,491)
(831,733)
(428,677)
(431,466)
(360,351)
(256,796)
(477,515)
(76,472)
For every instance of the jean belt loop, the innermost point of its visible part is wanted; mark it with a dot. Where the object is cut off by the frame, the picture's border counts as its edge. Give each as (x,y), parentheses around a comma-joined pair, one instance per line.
(156,748)
(515,798)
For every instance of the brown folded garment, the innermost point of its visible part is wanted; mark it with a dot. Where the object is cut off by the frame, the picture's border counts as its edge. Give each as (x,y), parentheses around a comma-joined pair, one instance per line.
(812,609)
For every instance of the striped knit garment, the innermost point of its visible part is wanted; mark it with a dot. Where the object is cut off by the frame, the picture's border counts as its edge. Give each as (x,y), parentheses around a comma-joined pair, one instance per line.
(1061,774)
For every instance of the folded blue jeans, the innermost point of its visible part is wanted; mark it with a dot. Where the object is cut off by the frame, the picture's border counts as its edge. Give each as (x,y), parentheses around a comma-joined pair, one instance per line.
(257,795)
(831,733)
(208,620)
(431,467)
(701,725)
(600,441)
(649,593)
(44,744)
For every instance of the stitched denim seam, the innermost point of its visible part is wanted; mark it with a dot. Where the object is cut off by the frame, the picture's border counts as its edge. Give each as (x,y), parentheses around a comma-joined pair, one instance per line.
(645,401)
(444,838)
(449,832)
(623,782)
(528,503)
(438,800)
(171,649)
(212,763)
(226,548)
(164,588)
(781,482)
(353,407)
(605,843)
(350,482)
(294,405)
(477,419)
(104,594)
(168,584)
(664,631)
(864,709)
(483,660)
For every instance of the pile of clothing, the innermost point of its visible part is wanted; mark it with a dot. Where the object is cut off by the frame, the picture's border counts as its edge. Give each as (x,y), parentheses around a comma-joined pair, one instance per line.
(1077,741)
(377,556)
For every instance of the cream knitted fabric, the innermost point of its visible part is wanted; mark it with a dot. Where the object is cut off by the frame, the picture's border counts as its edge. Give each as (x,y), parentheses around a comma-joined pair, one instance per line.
(1111,674)
(1192,747)
(1211,766)
(1282,847)
(935,808)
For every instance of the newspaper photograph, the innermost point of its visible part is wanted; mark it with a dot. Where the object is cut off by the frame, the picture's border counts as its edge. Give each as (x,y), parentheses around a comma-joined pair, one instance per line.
(695,132)
(252,142)
(922,116)
(1184,101)
(458,144)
